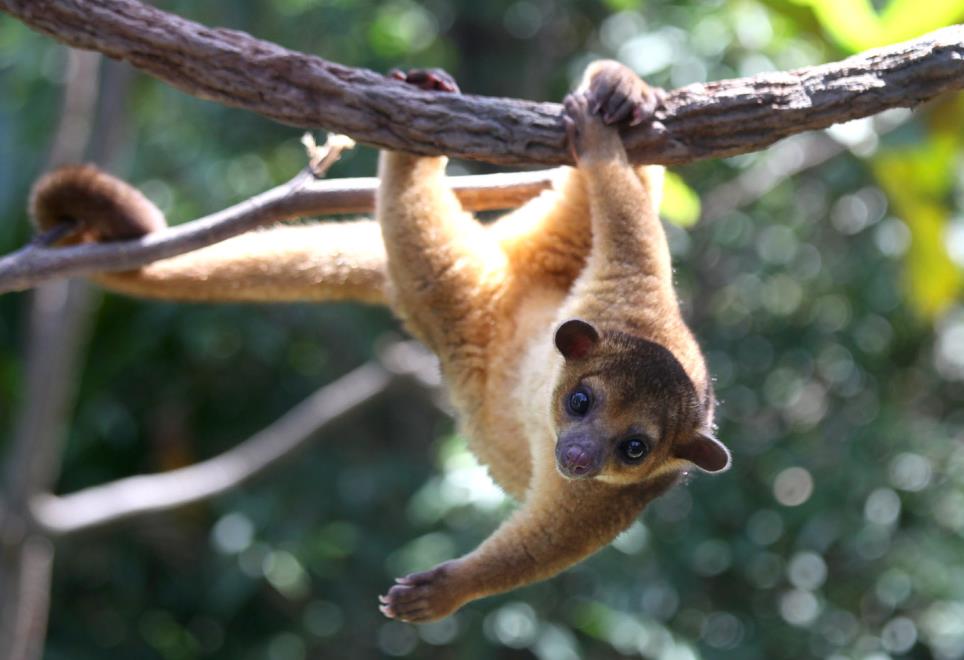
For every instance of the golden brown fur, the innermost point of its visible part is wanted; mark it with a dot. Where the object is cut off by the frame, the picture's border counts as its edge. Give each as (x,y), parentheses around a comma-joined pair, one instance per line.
(568,298)
(98,206)
(490,306)
(344,261)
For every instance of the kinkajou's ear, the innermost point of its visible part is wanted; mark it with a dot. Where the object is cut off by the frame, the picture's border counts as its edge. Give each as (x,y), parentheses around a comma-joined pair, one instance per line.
(705,452)
(575,339)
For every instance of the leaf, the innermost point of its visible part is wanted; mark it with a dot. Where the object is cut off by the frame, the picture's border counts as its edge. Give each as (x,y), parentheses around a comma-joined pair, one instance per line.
(918,181)
(856,26)
(680,205)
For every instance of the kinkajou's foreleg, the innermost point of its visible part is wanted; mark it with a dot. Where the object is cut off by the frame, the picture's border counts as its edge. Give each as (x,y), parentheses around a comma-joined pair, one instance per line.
(561,523)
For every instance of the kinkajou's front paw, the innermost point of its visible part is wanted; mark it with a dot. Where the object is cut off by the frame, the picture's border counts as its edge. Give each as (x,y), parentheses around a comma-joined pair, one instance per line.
(425,596)
(428,79)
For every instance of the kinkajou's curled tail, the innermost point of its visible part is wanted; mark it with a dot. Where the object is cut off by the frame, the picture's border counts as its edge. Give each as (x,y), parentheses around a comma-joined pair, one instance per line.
(320,262)
(94,205)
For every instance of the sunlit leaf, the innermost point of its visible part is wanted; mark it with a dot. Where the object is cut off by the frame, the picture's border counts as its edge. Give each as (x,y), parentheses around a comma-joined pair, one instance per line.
(917,181)
(856,25)
(681,205)
(620,5)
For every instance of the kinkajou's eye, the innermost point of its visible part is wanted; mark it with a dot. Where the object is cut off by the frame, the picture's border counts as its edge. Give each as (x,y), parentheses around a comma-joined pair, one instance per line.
(579,402)
(634,449)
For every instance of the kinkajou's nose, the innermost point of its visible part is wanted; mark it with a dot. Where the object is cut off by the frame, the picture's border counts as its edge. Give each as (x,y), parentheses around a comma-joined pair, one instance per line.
(578,459)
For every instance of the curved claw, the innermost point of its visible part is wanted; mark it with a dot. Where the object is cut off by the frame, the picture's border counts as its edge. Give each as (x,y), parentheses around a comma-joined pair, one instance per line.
(620,112)
(637,117)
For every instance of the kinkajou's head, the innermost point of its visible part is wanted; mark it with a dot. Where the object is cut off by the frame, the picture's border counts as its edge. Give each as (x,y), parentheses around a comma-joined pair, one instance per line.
(624,410)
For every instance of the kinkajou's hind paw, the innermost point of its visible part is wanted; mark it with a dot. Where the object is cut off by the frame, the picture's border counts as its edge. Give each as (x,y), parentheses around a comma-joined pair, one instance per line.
(427,79)
(610,94)
(588,137)
(618,95)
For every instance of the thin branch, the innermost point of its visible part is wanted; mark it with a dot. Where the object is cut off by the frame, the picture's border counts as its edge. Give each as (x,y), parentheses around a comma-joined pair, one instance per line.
(31,584)
(698,121)
(322,157)
(127,498)
(299,197)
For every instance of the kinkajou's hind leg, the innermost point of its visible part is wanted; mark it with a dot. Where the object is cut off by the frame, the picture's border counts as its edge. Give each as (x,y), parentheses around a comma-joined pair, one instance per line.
(630,258)
(444,267)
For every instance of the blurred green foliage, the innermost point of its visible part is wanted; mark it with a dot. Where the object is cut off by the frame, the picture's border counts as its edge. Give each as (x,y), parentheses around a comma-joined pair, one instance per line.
(839,533)
(858,24)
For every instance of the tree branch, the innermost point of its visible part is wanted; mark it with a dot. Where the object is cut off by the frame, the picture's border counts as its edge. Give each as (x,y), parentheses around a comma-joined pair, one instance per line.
(127,498)
(302,196)
(695,122)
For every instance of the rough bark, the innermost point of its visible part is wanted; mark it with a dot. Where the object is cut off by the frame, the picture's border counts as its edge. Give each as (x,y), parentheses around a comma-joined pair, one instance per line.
(699,121)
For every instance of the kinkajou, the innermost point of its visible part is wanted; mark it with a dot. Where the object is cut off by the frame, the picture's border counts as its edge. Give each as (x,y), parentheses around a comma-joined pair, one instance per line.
(557,327)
